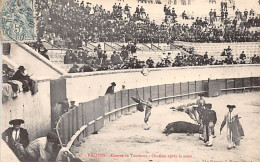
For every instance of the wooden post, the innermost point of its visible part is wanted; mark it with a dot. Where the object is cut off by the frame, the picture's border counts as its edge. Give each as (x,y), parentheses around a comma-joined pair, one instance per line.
(188,89)
(173,92)
(180,90)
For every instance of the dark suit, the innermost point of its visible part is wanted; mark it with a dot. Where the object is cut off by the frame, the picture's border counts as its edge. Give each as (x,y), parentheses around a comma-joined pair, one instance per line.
(110,90)
(18,146)
(209,119)
(8,138)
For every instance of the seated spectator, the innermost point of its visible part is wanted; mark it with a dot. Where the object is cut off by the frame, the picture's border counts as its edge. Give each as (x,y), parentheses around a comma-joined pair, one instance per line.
(28,83)
(67,58)
(16,138)
(74,68)
(124,54)
(167,62)
(242,56)
(87,68)
(20,74)
(211,60)
(116,59)
(206,55)
(7,73)
(150,62)
(184,15)
(254,59)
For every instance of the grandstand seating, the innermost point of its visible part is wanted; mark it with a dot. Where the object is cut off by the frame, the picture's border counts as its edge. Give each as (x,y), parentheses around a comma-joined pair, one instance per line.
(57,56)
(215,49)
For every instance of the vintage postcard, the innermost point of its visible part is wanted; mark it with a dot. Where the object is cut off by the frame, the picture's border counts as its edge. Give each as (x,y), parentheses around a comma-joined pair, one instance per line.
(130,81)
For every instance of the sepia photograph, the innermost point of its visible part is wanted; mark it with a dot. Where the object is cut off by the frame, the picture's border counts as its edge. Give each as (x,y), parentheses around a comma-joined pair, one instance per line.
(130,81)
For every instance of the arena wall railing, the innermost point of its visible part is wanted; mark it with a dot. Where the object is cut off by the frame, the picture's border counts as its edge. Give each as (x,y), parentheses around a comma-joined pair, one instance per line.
(89,117)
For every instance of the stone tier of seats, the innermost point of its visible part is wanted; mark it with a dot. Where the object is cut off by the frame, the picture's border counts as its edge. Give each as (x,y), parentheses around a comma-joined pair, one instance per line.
(215,49)
(57,56)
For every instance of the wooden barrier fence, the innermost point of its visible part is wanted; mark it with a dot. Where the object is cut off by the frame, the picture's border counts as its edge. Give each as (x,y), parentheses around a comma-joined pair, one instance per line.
(91,116)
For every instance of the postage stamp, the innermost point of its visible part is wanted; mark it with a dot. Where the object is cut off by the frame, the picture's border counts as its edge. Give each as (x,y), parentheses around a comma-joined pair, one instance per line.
(17,21)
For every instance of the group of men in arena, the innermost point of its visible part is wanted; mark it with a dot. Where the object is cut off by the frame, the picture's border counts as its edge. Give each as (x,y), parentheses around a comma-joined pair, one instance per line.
(202,113)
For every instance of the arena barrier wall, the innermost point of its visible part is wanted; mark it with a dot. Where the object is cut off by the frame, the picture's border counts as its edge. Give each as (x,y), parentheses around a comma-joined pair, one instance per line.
(92,85)
(33,109)
(89,117)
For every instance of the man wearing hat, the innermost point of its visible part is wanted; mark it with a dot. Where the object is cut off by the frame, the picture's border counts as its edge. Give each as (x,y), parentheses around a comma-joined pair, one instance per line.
(201,103)
(110,89)
(234,128)
(209,119)
(147,112)
(20,74)
(16,137)
(43,149)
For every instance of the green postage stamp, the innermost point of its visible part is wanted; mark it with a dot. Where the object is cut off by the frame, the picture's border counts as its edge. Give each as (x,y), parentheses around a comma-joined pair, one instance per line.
(17,21)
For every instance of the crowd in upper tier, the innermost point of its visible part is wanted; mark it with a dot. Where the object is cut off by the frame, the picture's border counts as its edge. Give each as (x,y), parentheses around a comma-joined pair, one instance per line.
(72,24)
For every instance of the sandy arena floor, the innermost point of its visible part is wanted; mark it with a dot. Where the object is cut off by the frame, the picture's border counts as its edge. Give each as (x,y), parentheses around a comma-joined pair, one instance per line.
(126,136)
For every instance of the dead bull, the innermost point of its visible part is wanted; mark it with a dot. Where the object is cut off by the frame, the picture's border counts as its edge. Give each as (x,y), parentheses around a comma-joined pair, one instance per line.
(181,127)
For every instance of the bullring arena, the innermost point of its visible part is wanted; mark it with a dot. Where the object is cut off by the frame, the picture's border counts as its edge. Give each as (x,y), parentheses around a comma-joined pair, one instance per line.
(76,79)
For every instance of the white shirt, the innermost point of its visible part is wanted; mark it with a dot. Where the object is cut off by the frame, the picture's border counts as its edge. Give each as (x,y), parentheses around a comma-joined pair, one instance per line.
(37,150)
(14,135)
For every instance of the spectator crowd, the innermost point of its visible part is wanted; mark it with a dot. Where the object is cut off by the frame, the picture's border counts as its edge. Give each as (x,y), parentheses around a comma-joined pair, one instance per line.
(73,24)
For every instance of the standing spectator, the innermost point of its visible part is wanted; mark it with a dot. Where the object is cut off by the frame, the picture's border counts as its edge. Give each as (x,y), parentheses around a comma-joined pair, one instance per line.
(252,13)
(245,14)
(110,89)
(124,54)
(206,55)
(215,15)
(226,14)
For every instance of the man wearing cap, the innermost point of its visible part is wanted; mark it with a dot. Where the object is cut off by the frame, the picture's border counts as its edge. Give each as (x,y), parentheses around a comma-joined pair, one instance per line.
(234,128)
(43,149)
(147,112)
(16,137)
(209,120)
(110,89)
